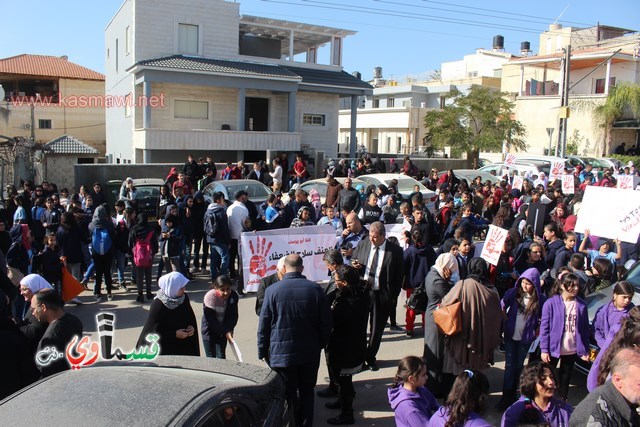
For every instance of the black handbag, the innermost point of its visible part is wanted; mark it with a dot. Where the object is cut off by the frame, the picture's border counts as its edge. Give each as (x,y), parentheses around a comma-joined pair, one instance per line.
(418,299)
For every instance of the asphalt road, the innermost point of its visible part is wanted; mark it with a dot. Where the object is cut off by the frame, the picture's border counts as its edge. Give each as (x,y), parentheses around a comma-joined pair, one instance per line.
(371,404)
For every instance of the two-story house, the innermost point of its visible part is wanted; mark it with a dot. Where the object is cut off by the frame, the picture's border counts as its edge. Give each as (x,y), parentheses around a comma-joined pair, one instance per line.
(200,78)
(601,57)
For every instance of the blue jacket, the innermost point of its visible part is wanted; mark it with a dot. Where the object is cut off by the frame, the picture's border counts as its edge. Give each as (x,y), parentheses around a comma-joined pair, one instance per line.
(212,329)
(510,305)
(552,327)
(417,263)
(295,322)
(557,413)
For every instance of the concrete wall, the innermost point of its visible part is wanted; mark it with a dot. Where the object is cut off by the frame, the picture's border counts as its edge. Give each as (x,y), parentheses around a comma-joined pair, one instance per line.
(61,171)
(321,138)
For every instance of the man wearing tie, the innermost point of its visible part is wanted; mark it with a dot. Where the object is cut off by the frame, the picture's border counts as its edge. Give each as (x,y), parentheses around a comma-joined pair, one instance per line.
(380,262)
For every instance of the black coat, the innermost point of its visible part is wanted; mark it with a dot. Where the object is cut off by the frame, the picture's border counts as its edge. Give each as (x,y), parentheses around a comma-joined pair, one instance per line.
(265,282)
(348,340)
(216,331)
(392,270)
(165,323)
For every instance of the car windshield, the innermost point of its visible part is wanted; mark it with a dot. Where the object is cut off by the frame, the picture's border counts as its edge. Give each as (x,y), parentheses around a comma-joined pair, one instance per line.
(254,191)
(144,192)
(406,184)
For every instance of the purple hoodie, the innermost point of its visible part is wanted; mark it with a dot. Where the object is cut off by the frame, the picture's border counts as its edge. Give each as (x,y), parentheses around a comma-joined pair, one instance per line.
(557,413)
(441,417)
(509,302)
(606,324)
(412,408)
(552,327)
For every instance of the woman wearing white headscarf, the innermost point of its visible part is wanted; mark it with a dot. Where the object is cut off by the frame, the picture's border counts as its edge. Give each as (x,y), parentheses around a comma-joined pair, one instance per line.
(437,285)
(32,328)
(172,319)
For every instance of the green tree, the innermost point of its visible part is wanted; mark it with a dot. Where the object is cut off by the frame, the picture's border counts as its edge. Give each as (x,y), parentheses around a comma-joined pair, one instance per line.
(622,97)
(479,121)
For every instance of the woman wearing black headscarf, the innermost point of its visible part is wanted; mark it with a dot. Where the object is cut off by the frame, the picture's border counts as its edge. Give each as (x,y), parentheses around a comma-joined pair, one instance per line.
(481,321)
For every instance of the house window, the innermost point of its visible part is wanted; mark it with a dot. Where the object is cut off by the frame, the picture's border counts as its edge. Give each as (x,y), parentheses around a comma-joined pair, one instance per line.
(600,84)
(391,101)
(188,39)
(127,105)
(313,119)
(44,124)
(472,74)
(198,110)
(388,145)
(376,102)
(127,41)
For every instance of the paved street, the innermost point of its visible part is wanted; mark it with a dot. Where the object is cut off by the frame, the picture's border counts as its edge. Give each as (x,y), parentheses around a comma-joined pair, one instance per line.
(371,405)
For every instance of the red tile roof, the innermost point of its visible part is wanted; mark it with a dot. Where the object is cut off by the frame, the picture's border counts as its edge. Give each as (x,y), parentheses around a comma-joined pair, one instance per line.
(49,66)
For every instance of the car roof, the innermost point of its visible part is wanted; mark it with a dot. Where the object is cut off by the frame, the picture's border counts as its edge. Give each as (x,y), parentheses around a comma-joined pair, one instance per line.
(130,388)
(470,174)
(340,179)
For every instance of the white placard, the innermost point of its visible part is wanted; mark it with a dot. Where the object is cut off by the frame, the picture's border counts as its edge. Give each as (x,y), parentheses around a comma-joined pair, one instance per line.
(493,244)
(510,159)
(568,184)
(261,251)
(556,171)
(236,350)
(625,182)
(517,182)
(610,212)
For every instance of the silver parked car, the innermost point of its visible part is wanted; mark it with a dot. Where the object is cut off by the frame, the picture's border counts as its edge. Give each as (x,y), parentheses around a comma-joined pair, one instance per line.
(168,391)
(257,191)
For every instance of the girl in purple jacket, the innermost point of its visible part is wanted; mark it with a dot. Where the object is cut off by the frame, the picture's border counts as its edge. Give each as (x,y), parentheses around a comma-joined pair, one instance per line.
(564,329)
(410,400)
(523,306)
(607,322)
(465,403)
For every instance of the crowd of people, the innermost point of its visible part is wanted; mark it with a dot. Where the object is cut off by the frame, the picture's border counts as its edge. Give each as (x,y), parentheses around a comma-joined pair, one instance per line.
(528,305)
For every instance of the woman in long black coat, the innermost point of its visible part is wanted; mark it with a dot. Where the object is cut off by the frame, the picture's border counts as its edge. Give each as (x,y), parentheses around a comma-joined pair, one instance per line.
(172,319)
(348,340)
(437,285)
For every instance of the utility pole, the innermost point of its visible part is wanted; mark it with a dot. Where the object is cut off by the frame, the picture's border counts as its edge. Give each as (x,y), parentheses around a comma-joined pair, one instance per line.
(564,103)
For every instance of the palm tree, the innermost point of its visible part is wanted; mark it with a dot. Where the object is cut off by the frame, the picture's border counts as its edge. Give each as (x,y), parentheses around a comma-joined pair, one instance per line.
(625,96)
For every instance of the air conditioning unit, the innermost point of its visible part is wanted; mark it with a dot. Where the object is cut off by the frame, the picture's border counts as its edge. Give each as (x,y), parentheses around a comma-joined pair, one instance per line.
(27,125)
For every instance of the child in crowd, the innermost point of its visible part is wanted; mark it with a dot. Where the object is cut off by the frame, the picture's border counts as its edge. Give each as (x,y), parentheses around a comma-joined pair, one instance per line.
(603,251)
(410,400)
(330,219)
(564,329)
(170,243)
(48,263)
(219,318)
(522,305)
(607,323)
(465,402)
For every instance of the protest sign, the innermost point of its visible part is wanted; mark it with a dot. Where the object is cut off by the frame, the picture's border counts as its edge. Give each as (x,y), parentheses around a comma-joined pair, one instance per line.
(261,251)
(568,185)
(625,182)
(493,244)
(517,183)
(510,159)
(610,212)
(557,169)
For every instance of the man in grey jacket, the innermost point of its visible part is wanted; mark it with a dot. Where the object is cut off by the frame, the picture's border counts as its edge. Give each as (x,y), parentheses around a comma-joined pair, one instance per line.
(615,402)
(295,323)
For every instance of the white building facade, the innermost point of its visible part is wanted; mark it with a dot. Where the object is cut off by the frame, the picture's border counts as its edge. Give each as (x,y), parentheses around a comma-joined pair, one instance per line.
(200,78)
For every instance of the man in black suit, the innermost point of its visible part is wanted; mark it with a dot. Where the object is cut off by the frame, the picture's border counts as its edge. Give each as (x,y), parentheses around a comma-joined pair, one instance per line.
(380,262)
(258,174)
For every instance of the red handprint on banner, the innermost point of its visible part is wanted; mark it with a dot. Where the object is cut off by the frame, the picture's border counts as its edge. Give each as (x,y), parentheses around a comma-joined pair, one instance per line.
(258,262)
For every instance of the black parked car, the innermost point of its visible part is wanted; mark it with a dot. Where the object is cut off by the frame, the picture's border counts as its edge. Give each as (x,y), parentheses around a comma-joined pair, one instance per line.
(168,391)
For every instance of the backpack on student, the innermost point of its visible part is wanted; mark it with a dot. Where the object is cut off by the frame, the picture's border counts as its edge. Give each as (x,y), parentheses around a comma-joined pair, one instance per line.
(101,240)
(142,256)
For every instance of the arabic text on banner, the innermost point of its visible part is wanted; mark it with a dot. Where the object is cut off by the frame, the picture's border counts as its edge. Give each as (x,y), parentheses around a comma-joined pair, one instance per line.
(568,185)
(493,244)
(517,182)
(557,169)
(261,251)
(610,212)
